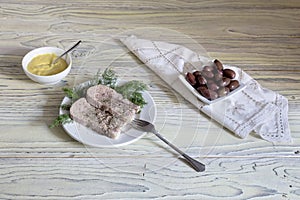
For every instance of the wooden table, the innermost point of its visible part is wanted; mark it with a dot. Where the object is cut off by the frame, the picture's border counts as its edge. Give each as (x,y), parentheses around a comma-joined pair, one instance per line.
(261,37)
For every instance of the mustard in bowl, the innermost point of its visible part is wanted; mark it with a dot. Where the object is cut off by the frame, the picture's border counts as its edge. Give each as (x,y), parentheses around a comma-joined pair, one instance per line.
(37,65)
(42,65)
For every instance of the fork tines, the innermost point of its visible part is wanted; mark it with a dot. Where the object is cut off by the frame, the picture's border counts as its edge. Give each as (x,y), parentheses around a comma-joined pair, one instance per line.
(138,122)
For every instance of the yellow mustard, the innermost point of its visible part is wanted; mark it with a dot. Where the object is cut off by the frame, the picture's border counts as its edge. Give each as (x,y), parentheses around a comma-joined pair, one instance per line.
(41,65)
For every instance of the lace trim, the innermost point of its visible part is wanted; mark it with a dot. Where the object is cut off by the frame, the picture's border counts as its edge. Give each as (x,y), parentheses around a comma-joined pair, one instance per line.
(244,129)
(281,122)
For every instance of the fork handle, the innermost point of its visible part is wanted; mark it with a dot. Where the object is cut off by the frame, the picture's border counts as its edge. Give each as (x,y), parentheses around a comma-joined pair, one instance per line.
(198,166)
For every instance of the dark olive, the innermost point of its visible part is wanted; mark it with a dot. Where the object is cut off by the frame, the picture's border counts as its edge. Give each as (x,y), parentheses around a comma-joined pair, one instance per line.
(225,81)
(208,68)
(210,81)
(207,74)
(207,93)
(213,86)
(233,85)
(223,91)
(218,65)
(196,73)
(191,78)
(213,94)
(218,75)
(229,73)
(201,80)
(203,91)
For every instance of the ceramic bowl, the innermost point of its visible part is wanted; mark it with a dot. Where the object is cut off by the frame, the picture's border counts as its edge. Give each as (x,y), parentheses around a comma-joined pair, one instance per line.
(46,80)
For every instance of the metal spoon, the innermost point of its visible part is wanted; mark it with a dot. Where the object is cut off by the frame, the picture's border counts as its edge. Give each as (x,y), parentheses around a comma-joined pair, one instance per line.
(75,45)
(55,60)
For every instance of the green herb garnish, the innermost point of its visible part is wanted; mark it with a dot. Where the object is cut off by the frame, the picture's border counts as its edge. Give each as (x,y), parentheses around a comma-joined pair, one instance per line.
(137,99)
(132,90)
(66,106)
(108,78)
(61,119)
(71,93)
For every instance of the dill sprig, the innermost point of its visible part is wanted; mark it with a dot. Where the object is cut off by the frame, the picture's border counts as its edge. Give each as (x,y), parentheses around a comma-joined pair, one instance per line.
(109,78)
(60,120)
(66,106)
(132,90)
(71,93)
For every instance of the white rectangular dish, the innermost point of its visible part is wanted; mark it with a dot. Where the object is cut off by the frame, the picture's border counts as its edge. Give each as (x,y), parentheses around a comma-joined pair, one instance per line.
(205,100)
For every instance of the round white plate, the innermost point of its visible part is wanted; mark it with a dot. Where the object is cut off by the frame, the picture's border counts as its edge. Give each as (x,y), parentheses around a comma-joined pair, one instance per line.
(128,135)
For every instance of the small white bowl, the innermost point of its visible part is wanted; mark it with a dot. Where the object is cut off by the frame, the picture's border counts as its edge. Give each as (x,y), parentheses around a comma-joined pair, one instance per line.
(46,80)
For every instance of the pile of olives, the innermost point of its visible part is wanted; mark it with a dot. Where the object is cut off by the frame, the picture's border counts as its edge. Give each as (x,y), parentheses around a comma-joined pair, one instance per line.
(213,81)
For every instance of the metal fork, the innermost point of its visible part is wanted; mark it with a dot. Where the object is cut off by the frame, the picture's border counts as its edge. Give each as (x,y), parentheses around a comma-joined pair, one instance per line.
(149,127)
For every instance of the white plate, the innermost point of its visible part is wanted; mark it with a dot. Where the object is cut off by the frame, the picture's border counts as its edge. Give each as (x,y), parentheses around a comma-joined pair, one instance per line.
(128,135)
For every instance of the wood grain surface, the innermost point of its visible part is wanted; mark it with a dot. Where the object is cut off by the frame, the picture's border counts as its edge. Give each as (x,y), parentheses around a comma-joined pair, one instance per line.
(36,162)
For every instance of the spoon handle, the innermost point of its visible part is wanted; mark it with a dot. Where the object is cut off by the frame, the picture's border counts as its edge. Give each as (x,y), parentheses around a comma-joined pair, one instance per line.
(75,45)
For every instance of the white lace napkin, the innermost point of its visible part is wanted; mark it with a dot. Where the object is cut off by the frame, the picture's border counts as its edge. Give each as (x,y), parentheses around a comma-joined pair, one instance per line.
(254,108)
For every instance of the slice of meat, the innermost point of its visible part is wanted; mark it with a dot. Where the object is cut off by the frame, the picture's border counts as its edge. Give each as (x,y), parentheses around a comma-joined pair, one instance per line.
(108,99)
(99,120)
